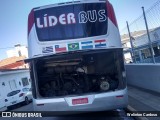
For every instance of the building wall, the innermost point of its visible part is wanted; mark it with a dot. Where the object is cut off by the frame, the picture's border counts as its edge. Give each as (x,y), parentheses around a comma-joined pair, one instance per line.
(13,81)
(154,36)
(143,39)
(15,52)
(142,52)
(144,75)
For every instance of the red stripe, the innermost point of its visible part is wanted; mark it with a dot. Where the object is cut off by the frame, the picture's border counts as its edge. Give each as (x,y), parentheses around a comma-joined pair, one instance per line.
(98,41)
(60,49)
(30,21)
(111,13)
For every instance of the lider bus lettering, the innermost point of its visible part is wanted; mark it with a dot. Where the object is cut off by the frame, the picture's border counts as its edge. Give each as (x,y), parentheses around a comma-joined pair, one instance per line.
(70,18)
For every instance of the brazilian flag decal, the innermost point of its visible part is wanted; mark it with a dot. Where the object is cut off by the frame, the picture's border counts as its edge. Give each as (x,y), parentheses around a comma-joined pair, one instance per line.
(73,46)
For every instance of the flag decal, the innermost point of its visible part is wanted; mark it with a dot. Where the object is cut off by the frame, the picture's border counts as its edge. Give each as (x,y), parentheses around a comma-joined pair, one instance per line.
(60,48)
(73,46)
(87,45)
(48,49)
(100,43)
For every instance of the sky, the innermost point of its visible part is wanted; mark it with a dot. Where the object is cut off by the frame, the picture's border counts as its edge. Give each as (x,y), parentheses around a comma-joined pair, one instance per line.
(14,16)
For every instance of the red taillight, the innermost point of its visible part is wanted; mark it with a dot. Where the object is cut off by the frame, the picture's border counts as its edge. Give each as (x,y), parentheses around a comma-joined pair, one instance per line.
(5,100)
(119,96)
(111,14)
(40,104)
(20,95)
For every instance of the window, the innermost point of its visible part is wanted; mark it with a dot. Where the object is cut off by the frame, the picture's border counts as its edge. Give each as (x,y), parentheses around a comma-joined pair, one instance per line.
(137,56)
(80,28)
(12,84)
(13,93)
(156,50)
(25,81)
(26,89)
(146,53)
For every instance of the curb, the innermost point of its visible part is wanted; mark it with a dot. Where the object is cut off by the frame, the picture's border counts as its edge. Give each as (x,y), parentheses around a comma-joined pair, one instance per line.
(131,109)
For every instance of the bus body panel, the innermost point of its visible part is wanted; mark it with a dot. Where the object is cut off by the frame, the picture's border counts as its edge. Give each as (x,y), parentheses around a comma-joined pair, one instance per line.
(112,41)
(99,102)
(36,47)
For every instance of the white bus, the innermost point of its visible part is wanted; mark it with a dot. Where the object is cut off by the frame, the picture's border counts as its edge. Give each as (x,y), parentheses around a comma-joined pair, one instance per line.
(76,57)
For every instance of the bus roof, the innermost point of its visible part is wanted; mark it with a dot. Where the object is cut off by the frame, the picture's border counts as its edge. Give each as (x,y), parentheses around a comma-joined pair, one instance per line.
(68,3)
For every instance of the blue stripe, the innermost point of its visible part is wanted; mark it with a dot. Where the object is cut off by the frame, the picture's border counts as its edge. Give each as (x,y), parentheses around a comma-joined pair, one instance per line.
(46,51)
(49,47)
(87,47)
(87,42)
(100,45)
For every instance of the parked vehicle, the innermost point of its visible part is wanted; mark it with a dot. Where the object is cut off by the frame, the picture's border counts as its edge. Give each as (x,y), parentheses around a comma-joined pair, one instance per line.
(27,94)
(2,104)
(18,96)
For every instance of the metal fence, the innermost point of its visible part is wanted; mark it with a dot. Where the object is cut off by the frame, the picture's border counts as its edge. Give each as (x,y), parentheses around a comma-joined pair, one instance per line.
(149,60)
(139,34)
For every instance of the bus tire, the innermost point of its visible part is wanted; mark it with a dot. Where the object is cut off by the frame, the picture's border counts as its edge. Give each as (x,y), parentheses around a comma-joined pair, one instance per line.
(26,101)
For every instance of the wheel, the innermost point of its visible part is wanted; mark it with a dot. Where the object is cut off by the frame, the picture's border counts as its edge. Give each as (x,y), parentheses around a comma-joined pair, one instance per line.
(26,101)
(8,108)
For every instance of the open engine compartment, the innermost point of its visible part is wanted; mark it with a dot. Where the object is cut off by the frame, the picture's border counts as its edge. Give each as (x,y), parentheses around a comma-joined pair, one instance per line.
(79,73)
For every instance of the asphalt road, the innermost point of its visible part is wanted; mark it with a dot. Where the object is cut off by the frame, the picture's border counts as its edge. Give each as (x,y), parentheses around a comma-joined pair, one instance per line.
(90,116)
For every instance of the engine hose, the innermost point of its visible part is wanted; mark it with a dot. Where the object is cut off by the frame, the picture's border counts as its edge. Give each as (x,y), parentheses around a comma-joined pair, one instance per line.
(70,78)
(61,78)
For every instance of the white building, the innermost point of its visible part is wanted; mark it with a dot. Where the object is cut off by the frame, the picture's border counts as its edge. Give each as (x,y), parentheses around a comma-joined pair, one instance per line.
(14,79)
(142,50)
(18,51)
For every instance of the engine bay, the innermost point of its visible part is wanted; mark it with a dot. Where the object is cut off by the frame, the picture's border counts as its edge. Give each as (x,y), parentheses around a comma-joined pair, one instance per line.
(78,74)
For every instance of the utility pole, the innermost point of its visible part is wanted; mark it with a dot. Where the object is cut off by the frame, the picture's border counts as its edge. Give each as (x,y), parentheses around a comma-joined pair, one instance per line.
(132,47)
(149,39)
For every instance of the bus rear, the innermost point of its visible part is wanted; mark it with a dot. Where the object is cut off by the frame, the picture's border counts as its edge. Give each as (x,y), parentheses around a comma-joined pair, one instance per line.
(76,58)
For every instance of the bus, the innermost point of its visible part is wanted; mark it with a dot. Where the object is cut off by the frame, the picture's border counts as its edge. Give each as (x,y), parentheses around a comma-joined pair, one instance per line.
(76,58)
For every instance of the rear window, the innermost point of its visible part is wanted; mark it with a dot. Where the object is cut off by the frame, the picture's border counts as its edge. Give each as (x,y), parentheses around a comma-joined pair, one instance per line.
(13,93)
(25,89)
(71,21)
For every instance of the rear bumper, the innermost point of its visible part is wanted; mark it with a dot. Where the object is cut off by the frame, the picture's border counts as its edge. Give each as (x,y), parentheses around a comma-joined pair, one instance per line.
(97,102)
(17,102)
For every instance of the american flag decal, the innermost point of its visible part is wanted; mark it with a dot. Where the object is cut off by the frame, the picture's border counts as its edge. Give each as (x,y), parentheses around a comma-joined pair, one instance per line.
(48,49)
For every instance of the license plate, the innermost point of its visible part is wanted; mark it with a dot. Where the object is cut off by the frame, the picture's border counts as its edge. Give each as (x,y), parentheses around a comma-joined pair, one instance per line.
(14,102)
(79,101)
